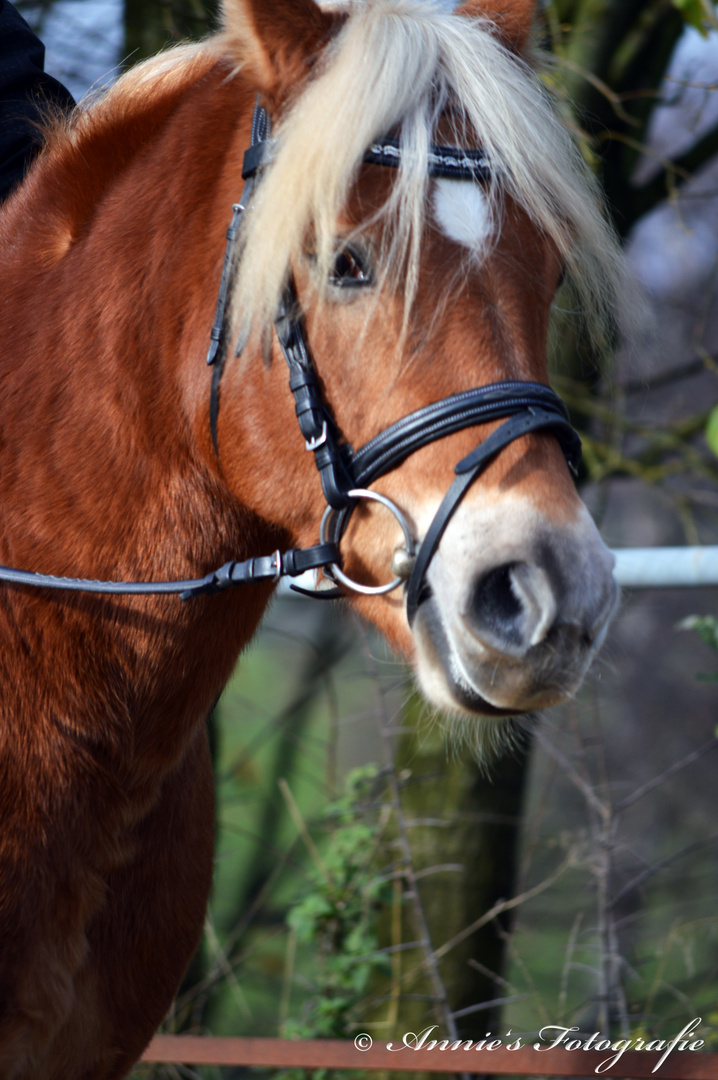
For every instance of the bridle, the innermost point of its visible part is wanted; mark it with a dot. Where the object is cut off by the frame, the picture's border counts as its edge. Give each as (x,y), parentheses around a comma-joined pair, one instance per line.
(346,474)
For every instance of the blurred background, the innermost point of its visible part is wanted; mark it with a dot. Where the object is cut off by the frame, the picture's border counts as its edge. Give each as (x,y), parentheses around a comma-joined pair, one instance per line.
(371,875)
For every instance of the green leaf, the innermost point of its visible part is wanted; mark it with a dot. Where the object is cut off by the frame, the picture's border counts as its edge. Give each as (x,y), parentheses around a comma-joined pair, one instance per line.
(706,626)
(306,917)
(712,430)
(699,14)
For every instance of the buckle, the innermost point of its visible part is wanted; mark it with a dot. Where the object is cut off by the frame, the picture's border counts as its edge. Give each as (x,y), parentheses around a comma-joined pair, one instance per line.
(318,440)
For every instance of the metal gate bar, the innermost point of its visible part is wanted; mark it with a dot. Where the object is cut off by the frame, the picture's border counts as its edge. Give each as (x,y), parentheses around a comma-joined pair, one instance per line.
(334,1054)
(666,567)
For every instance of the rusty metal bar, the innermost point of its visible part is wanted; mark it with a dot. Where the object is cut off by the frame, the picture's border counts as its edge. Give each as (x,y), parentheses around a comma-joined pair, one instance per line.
(333,1054)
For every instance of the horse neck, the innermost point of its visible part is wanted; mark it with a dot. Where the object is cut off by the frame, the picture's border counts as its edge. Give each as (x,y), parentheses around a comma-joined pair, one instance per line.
(115,250)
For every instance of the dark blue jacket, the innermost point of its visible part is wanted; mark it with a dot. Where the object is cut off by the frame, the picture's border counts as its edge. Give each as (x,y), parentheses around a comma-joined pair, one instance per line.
(24,89)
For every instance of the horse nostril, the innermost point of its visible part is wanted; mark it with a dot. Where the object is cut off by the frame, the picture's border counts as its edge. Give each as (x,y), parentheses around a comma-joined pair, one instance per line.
(512,607)
(495,607)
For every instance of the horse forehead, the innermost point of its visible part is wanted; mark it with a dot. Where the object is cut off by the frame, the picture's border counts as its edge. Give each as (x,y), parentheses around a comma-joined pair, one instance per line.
(462,212)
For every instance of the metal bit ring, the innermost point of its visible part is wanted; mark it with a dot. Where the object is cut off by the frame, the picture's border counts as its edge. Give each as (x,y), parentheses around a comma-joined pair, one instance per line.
(336,572)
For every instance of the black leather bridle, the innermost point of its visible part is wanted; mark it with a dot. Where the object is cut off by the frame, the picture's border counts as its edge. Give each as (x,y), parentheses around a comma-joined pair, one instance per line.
(346,474)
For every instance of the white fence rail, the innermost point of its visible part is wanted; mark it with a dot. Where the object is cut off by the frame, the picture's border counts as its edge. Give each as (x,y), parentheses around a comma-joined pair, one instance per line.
(666,567)
(636,568)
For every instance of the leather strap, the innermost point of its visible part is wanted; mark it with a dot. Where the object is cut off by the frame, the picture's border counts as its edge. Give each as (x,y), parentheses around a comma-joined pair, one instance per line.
(477,406)
(468,469)
(290,563)
(449,162)
(218,344)
(261,568)
(315,422)
(530,405)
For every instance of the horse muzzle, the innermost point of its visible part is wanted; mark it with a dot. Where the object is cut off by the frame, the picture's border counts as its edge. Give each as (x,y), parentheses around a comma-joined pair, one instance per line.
(513,610)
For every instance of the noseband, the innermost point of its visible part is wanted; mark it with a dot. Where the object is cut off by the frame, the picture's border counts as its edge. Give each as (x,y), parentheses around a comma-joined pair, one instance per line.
(345,473)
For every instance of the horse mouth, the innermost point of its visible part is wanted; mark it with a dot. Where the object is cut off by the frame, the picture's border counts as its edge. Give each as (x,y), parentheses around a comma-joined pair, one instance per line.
(445,662)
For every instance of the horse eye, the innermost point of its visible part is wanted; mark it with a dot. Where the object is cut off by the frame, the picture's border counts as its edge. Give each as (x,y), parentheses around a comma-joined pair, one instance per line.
(350,269)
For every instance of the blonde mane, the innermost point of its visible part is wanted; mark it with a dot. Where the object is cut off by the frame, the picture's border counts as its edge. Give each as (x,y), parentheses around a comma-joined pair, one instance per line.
(166,75)
(399,66)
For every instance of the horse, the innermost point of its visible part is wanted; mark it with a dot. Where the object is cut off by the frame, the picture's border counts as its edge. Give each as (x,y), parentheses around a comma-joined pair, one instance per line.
(415,199)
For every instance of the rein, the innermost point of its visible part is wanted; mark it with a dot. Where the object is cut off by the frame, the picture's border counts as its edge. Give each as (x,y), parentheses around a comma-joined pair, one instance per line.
(346,474)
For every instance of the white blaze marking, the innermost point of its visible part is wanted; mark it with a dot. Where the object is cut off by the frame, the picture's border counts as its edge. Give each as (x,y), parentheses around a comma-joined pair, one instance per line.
(462,211)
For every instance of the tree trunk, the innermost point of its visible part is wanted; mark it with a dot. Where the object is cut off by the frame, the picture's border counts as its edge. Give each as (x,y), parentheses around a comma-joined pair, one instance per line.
(151,25)
(462,827)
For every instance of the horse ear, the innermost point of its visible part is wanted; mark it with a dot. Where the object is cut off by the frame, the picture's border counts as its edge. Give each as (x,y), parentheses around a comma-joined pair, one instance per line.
(276,41)
(514,18)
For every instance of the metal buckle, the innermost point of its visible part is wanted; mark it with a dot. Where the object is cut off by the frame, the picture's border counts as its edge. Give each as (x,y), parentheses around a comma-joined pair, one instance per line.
(337,573)
(314,444)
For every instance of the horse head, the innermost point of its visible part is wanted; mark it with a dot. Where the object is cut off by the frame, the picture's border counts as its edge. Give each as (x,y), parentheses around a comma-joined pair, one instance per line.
(415,286)
(409,218)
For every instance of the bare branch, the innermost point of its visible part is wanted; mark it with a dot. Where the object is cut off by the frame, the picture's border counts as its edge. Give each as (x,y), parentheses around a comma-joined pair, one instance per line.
(676,767)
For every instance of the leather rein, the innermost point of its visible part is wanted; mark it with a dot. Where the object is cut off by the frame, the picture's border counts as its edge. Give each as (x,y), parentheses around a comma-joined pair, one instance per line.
(346,474)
